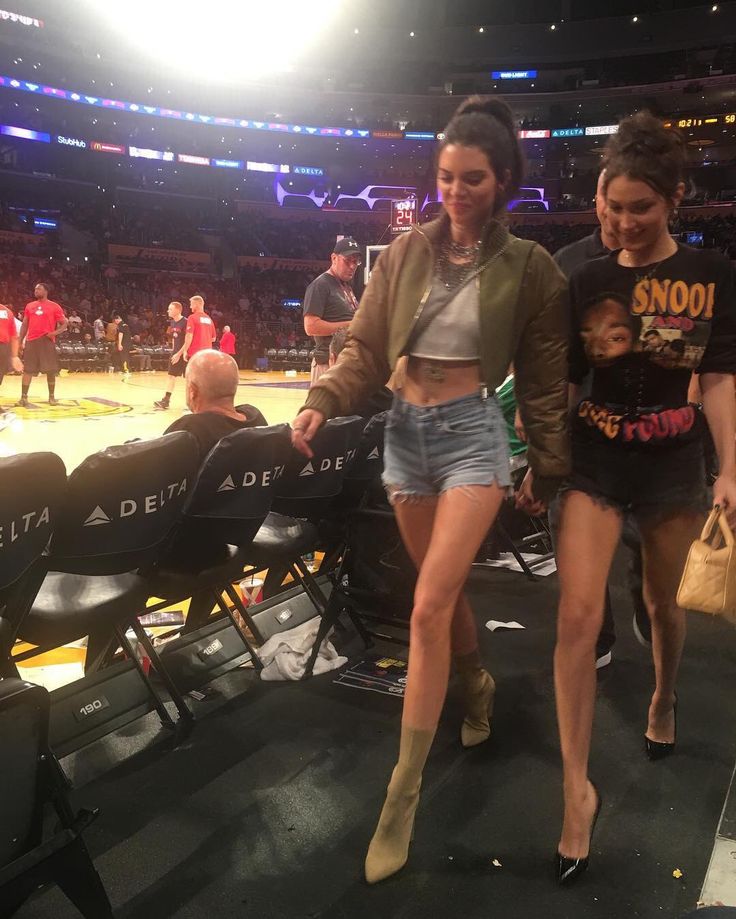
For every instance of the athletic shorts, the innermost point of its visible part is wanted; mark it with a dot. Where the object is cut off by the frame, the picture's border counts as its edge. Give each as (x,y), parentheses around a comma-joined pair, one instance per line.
(4,358)
(178,369)
(39,356)
(645,481)
(430,449)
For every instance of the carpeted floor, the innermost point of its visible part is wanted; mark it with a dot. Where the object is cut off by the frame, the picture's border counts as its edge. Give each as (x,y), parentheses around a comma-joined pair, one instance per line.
(267,808)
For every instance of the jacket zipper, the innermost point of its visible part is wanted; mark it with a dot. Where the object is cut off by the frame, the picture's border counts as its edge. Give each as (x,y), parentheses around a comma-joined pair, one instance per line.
(483,385)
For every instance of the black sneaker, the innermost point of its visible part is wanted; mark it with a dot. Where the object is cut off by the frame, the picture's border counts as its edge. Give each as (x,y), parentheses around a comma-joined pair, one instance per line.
(642,626)
(162,404)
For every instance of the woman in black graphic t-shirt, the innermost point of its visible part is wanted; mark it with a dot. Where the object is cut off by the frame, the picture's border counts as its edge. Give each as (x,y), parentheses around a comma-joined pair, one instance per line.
(644,318)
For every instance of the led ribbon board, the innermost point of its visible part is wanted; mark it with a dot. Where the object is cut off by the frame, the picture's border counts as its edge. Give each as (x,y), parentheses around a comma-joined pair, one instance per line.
(20,19)
(141,108)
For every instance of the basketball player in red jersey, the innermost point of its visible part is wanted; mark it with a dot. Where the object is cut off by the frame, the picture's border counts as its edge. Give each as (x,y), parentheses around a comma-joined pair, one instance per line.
(9,359)
(43,320)
(200,332)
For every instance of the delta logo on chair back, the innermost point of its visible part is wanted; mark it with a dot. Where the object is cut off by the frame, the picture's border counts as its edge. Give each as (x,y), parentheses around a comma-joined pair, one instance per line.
(14,529)
(131,507)
(264,478)
(97,517)
(329,462)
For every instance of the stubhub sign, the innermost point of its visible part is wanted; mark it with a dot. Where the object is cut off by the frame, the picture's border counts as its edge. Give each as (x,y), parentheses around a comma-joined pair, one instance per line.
(71,142)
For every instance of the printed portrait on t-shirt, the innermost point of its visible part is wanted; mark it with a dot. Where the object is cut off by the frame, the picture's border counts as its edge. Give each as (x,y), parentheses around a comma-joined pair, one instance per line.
(608,330)
(666,323)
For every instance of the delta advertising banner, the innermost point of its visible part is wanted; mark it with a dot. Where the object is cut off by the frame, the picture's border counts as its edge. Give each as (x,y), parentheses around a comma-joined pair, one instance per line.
(155,257)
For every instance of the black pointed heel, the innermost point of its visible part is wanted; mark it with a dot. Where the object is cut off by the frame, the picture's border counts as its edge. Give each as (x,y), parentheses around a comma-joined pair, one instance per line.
(569,869)
(655,749)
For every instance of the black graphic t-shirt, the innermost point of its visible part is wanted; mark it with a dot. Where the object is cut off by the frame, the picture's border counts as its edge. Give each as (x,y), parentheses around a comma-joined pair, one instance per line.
(124,330)
(643,331)
(177,329)
(331,300)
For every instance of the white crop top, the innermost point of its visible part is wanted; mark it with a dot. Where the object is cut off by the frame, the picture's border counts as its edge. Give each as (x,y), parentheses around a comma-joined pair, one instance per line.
(453,333)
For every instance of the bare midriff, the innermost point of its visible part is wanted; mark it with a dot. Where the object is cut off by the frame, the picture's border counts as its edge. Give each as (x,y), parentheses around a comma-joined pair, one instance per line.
(430,382)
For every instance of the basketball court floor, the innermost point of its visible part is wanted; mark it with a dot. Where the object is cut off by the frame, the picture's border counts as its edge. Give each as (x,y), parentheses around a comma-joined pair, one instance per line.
(99,410)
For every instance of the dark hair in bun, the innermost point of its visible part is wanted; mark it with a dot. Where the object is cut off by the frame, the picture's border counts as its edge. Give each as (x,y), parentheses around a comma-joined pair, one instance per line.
(487,122)
(644,149)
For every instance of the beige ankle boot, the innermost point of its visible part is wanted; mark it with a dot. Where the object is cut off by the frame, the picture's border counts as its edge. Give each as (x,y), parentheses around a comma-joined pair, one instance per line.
(389,848)
(480,690)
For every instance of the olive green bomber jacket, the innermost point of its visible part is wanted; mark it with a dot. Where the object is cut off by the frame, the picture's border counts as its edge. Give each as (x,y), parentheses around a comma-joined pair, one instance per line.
(524,319)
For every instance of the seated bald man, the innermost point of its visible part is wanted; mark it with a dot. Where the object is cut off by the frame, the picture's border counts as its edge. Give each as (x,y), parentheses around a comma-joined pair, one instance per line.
(211,386)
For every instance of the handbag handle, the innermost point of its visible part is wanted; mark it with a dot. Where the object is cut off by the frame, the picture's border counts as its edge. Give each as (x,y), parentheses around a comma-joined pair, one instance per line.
(717,518)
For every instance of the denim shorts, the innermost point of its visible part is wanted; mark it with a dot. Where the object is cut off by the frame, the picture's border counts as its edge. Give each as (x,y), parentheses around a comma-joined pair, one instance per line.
(429,449)
(648,482)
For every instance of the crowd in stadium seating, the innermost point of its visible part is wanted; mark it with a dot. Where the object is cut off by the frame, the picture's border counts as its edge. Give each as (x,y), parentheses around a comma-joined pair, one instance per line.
(151,227)
(262,305)
(298,237)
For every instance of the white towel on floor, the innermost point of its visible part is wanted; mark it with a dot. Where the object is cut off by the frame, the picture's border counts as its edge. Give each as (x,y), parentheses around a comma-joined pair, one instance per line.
(285,655)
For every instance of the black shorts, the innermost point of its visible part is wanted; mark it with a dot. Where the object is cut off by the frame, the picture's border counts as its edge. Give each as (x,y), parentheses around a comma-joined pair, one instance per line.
(644,481)
(177,369)
(4,358)
(40,356)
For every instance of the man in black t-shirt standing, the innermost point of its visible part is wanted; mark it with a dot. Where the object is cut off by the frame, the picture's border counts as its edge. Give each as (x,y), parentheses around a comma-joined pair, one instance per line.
(177,364)
(329,302)
(599,243)
(122,347)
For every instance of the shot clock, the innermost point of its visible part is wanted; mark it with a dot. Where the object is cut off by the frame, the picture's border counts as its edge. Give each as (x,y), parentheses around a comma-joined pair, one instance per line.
(403,215)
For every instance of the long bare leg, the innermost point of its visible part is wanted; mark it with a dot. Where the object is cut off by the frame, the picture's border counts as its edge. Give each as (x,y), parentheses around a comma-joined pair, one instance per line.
(589,533)
(462,518)
(665,545)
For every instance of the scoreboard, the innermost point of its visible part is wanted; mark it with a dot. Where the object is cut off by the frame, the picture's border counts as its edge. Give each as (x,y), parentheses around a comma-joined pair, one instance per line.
(700,121)
(403,215)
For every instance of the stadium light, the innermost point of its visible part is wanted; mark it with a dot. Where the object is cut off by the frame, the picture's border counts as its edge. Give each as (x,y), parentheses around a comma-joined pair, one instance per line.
(220,40)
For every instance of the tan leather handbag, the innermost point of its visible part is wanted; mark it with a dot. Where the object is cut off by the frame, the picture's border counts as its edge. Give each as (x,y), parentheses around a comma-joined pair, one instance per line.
(708,582)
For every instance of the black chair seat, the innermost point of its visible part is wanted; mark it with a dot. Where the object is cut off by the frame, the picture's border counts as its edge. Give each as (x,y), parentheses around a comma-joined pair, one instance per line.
(282,537)
(178,579)
(70,606)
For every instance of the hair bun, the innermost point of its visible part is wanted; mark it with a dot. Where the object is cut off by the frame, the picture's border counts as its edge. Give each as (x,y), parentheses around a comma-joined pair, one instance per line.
(643,148)
(645,133)
(487,105)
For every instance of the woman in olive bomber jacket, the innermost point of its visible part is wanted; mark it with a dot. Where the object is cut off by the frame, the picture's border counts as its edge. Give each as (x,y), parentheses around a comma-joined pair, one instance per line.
(446,453)
(524,318)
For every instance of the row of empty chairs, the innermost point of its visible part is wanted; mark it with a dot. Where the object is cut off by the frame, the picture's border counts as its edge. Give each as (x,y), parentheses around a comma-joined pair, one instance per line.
(288,358)
(77,356)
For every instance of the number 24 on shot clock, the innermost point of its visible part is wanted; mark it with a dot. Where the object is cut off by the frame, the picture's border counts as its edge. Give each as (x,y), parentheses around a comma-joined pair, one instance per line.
(403,215)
